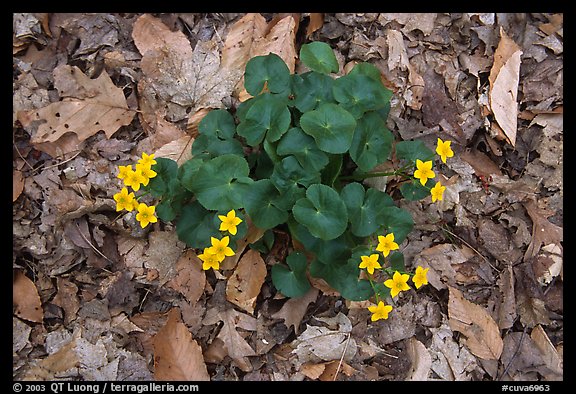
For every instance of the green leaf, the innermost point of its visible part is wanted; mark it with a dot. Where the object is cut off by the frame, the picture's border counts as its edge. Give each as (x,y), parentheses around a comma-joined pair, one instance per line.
(372,142)
(292,282)
(359,93)
(220,183)
(289,172)
(326,251)
(343,277)
(302,146)
(365,208)
(260,201)
(166,171)
(322,211)
(187,172)
(218,123)
(318,56)
(398,221)
(214,146)
(270,70)
(311,89)
(368,70)
(196,225)
(412,150)
(331,126)
(267,115)
(332,170)
(414,191)
(397,261)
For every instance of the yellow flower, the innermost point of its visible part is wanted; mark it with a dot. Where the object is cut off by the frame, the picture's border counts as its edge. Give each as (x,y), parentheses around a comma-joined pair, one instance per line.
(123,170)
(370,263)
(424,171)
(146,172)
(147,160)
(386,244)
(133,179)
(437,192)
(443,149)
(398,283)
(124,200)
(209,260)
(229,222)
(220,248)
(379,311)
(145,214)
(419,277)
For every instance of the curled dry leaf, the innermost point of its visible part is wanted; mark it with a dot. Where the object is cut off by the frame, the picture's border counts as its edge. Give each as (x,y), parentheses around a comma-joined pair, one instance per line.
(87,107)
(294,309)
(421,360)
(17,184)
(177,356)
(504,78)
(179,150)
(543,231)
(25,299)
(481,331)
(244,285)
(190,279)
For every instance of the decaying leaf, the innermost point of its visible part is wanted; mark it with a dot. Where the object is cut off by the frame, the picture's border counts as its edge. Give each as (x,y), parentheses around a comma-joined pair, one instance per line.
(240,44)
(504,78)
(552,359)
(25,299)
(294,309)
(450,361)
(17,184)
(67,299)
(421,360)
(316,22)
(543,231)
(179,150)
(507,308)
(190,279)
(20,334)
(444,259)
(163,253)
(244,285)
(177,356)
(481,331)
(87,107)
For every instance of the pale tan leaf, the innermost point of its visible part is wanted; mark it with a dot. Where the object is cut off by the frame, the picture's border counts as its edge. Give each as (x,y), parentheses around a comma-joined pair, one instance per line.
(312,370)
(163,252)
(507,310)
(504,78)
(190,279)
(482,336)
(316,22)
(194,121)
(444,261)
(421,360)
(549,353)
(239,45)
(87,107)
(67,299)
(244,285)
(179,150)
(333,368)
(151,35)
(280,40)
(294,309)
(25,299)
(544,232)
(177,356)
(17,184)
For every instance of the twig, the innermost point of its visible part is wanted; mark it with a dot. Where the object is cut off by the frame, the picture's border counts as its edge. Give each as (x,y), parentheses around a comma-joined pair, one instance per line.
(62,162)
(341,358)
(93,247)
(471,247)
(514,355)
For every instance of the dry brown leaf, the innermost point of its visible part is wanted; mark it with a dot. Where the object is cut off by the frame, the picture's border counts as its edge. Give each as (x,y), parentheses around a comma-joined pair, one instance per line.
(543,231)
(481,331)
(177,74)
(504,78)
(190,279)
(421,360)
(244,285)
(163,252)
(179,150)
(333,368)
(239,46)
(177,356)
(549,353)
(67,299)
(311,370)
(482,164)
(87,107)
(445,260)
(17,184)
(316,22)
(294,309)
(25,299)
(252,235)
(507,308)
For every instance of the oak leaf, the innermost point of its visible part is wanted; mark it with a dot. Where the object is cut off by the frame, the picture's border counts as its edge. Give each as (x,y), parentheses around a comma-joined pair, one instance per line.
(244,285)
(294,309)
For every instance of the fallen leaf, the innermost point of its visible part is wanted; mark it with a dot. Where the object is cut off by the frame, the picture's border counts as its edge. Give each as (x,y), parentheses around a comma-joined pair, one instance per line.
(244,285)
(67,299)
(333,368)
(20,335)
(179,150)
(177,74)
(481,332)
(294,309)
(87,107)
(240,43)
(163,252)
(521,358)
(504,78)
(252,235)
(548,264)
(450,361)
(543,231)
(25,299)
(549,353)
(17,184)
(421,360)
(507,308)
(190,279)
(444,259)
(311,370)
(316,22)
(177,356)
(234,344)
(482,164)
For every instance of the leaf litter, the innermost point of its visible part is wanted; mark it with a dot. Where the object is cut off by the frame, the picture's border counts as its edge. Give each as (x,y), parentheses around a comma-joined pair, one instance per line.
(98,298)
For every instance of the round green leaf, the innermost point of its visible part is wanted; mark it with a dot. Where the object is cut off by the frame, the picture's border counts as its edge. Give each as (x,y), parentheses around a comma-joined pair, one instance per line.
(270,70)
(318,56)
(292,281)
(372,142)
(289,172)
(322,211)
(267,115)
(218,122)
(214,146)
(220,183)
(312,89)
(398,221)
(331,126)
(414,191)
(196,225)
(412,150)
(359,93)
(260,203)
(368,70)
(302,146)
(187,172)
(166,171)
(365,208)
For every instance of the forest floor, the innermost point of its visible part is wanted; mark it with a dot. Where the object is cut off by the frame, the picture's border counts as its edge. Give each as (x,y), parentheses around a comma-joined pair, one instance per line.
(95,297)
